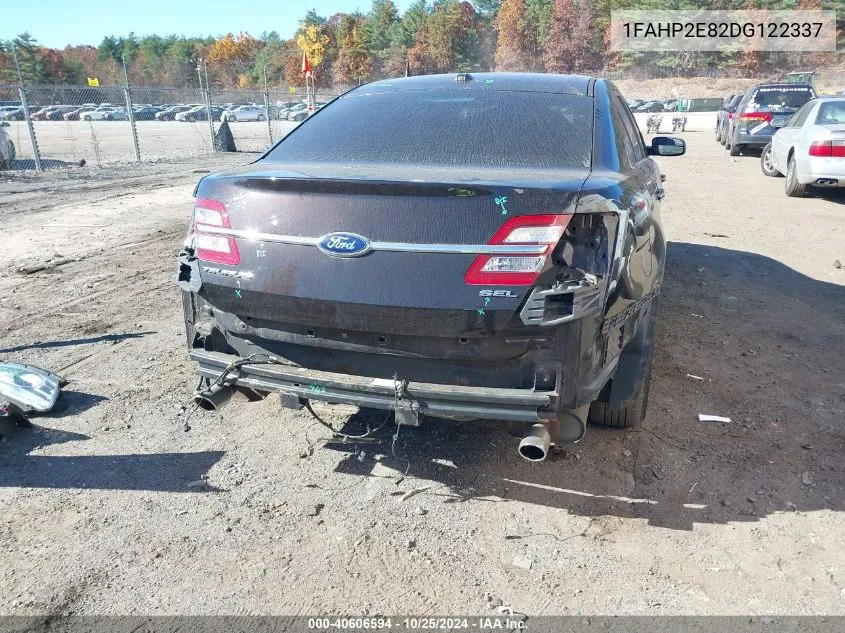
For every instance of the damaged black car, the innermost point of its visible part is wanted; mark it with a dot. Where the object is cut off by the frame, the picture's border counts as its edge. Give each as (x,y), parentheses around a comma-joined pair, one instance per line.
(483,246)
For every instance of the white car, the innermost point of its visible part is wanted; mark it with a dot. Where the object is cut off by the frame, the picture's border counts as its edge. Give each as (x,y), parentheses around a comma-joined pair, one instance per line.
(244,113)
(810,148)
(7,150)
(98,114)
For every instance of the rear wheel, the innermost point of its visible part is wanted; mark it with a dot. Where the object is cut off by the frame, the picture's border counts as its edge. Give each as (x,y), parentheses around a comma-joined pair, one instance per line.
(629,412)
(632,411)
(794,189)
(735,149)
(767,162)
(260,117)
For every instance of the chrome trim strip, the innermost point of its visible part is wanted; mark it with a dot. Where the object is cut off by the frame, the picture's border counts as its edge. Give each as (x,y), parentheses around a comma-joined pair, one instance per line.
(451,249)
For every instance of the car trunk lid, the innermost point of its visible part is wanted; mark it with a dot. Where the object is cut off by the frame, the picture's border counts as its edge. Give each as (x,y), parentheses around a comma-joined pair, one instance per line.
(424,230)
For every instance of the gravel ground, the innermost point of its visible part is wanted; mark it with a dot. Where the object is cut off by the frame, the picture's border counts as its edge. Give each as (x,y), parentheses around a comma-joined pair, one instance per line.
(110,507)
(109,142)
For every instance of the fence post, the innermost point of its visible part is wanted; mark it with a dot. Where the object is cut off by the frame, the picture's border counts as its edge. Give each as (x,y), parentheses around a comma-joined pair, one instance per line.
(131,113)
(35,152)
(208,106)
(208,111)
(267,108)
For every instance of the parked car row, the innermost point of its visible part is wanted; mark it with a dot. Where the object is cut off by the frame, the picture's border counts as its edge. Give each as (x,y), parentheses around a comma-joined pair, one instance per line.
(799,135)
(232,112)
(642,105)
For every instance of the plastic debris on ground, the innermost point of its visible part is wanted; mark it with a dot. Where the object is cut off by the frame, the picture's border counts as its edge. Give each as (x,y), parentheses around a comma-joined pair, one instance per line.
(703,417)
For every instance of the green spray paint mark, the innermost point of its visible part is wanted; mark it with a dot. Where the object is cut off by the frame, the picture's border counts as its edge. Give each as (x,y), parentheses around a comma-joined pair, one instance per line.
(480,311)
(486,301)
(500,201)
(238,293)
(316,389)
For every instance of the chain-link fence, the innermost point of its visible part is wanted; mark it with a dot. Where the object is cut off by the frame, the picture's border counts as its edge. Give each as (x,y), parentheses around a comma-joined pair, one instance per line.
(55,125)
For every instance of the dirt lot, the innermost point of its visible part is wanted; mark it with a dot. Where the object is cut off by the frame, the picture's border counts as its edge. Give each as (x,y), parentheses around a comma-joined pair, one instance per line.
(101,513)
(108,142)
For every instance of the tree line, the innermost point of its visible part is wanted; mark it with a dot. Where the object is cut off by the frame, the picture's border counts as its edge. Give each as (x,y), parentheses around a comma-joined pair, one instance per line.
(429,37)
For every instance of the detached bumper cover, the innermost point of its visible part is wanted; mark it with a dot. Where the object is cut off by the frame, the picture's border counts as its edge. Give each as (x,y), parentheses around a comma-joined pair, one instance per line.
(450,401)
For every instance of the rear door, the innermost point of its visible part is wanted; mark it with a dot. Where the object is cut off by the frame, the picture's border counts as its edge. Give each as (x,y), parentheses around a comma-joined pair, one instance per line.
(643,184)
(789,136)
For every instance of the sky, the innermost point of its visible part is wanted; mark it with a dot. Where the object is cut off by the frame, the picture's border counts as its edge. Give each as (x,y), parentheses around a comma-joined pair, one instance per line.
(57,23)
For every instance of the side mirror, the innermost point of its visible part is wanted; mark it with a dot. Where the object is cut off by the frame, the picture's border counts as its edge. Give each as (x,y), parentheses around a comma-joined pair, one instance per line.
(5,124)
(667,146)
(730,109)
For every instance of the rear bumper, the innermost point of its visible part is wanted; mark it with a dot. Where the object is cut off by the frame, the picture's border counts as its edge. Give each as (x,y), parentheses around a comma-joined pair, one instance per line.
(758,139)
(437,400)
(814,168)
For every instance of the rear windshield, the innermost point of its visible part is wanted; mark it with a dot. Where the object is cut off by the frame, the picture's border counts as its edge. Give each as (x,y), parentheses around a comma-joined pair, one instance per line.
(831,113)
(475,128)
(779,98)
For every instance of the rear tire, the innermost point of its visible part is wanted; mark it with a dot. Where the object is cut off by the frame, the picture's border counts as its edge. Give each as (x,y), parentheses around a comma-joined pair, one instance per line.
(735,149)
(629,412)
(767,164)
(793,188)
(260,117)
(632,411)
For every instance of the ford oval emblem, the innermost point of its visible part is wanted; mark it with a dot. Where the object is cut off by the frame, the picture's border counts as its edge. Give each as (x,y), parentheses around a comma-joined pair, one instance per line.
(344,244)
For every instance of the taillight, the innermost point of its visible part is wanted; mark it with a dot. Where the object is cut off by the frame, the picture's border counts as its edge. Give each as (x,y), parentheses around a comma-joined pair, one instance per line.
(730,115)
(756,116)
(211,247)
(515,268)
(828,149)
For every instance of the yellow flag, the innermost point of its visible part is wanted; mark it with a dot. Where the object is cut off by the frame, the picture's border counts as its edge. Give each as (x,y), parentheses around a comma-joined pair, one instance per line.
(292,90)
(93,81)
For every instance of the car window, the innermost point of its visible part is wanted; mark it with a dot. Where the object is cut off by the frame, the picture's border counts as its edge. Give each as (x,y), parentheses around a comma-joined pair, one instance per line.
(799,117)
(831,113)
(778,97)
(622,140)
(632,130)
(447,127)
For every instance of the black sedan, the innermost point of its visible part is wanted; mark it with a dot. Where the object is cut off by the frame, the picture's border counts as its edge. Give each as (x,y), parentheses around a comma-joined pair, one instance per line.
(146,113)
(651,106)
(416,246)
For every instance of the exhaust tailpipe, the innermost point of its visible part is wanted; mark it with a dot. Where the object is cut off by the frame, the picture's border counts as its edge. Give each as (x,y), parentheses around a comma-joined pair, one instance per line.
(214,398)
(534,445)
